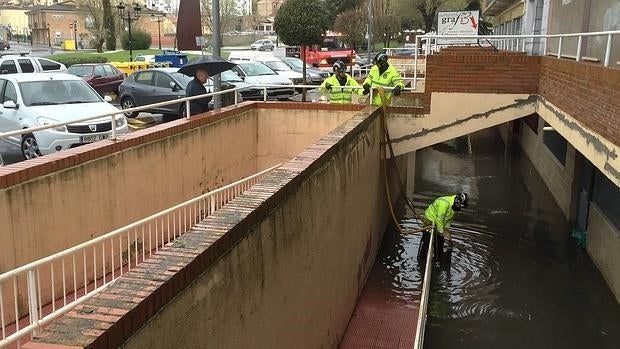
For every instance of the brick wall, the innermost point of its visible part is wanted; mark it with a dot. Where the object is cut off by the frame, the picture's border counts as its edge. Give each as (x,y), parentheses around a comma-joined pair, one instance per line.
(590,93)
(482,71)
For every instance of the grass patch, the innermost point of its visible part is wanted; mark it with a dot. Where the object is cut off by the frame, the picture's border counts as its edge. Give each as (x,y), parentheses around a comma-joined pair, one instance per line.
(93,57)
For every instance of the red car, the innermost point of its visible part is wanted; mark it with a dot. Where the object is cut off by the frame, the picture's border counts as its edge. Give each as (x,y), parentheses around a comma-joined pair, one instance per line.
(103,77)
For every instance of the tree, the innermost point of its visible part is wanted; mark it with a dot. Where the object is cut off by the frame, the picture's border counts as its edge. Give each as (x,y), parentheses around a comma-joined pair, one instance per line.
(385,23)
(352,24)
(336,7)
(94,9)
(301,23)
(109,25)
(228,15)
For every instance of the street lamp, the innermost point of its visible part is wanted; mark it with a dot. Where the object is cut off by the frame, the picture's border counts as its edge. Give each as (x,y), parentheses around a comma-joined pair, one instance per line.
(49,40)
(129,16)
(159,18)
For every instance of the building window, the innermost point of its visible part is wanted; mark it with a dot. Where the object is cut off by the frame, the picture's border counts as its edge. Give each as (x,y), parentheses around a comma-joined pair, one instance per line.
(556,144)
(606,195)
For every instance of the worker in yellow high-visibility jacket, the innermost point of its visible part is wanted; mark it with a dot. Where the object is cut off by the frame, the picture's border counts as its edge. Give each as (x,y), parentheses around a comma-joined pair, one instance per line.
(440,214)
(382,74)
(340,78)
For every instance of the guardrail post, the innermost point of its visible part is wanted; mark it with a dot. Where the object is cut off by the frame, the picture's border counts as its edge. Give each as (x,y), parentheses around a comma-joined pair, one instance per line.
(608,50)
(236,97)
(187,111)
(33,300)
(545,47)
(264,94)
(113,127)
(415,65)
(560,48)
(578,55)
(371,96)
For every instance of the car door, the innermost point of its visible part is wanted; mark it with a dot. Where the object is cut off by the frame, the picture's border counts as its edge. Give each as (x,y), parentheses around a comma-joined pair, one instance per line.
(162,92)
(100,80)
(142,89)
(115,77)
(9,117)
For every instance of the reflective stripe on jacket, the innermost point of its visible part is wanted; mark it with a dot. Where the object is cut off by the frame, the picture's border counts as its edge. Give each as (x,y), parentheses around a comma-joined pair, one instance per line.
(340,95)
(440,212)
(389,78)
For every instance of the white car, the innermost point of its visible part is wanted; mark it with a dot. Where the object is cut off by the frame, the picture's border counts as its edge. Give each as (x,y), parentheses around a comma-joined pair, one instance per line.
(14,64)
(37,99)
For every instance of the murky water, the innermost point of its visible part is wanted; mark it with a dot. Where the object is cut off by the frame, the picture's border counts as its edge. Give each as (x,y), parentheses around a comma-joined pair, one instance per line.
(516,277)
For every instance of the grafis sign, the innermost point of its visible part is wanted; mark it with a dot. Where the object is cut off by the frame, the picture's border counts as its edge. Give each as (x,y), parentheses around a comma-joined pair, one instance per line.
(458,23)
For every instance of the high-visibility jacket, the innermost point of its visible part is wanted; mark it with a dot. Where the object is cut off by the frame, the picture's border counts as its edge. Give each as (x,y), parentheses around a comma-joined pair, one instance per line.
(441,213)
(340,95)
(389,78)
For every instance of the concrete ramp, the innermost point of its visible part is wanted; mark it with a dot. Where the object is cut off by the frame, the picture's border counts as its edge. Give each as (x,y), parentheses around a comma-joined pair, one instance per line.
(453,115)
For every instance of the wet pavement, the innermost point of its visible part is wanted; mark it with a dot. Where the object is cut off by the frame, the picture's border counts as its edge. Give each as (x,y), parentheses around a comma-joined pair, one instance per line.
(516,278)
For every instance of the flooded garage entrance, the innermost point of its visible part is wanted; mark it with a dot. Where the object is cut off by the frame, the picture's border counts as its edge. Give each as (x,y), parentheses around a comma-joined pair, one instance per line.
(517,279)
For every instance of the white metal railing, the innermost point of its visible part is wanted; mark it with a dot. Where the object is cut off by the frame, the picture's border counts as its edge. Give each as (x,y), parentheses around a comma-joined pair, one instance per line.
(426,285)
(45,289)
(515,42)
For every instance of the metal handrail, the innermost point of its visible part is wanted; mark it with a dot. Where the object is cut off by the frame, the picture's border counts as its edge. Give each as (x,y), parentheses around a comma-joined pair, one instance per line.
(156,227)
(428,38)
(426,285)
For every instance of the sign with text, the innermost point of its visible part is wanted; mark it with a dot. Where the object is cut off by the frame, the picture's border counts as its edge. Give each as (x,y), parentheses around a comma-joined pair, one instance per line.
(457,23)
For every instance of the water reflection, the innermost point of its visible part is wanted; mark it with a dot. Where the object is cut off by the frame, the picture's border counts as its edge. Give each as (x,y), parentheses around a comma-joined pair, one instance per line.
(516,279)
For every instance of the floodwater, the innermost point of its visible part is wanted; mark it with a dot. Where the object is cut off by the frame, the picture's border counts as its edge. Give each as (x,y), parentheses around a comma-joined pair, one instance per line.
(516,278)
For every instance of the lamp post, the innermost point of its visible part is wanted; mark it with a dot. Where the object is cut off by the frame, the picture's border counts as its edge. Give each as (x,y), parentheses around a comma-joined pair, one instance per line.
(49,41)
(159,18)
(131,15)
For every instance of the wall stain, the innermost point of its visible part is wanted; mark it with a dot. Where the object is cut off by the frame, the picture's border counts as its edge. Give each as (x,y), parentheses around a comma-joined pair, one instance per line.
(590,137)
(612,170)
(519,103)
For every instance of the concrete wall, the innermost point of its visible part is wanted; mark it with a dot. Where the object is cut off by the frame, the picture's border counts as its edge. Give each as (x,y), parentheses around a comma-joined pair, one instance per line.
(604,248)
(557,177)
(294,280)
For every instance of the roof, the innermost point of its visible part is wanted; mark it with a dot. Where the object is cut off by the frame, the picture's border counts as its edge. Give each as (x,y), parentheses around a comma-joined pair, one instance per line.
(39,77)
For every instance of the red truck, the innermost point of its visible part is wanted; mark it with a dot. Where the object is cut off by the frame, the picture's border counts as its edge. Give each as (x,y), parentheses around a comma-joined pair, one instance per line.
(325,55)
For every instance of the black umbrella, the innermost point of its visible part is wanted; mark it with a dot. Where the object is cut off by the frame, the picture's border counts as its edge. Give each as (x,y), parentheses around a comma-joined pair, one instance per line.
(212,64)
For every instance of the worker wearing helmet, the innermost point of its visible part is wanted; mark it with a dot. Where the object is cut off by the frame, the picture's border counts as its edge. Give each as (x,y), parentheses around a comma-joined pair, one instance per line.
(340,78)
(440,213)
(382,74)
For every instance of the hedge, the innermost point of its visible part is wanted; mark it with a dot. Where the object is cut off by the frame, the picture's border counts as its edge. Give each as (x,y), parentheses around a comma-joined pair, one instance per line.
(140,40)
(69,60)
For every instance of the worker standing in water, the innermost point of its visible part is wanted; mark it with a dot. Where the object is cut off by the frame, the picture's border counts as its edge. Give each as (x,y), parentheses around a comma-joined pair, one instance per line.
(440,214)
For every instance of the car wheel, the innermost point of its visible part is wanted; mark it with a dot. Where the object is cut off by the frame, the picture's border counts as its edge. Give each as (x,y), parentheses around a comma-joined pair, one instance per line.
(128,103)
(272,48)
(262,48)
(30,148)
(182,111)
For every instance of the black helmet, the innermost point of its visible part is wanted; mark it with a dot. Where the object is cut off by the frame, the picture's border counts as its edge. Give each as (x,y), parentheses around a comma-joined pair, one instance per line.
(381,57)
(339,66)
(460,201)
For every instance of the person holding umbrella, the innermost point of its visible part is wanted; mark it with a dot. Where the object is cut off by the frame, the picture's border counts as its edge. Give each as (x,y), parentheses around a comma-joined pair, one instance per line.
(196,88)
(200,70)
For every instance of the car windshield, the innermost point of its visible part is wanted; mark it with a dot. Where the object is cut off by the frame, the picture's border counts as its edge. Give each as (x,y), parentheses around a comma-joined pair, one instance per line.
(278,66)
(295,63)
(81,70)
(255,69)
(51,92)
(182,78)
(230,76)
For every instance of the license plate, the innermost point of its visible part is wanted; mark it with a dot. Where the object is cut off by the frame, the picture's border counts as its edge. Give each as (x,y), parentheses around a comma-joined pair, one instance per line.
(92,138)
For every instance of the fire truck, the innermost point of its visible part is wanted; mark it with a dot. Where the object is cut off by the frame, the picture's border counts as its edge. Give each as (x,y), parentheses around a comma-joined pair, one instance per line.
(324,56)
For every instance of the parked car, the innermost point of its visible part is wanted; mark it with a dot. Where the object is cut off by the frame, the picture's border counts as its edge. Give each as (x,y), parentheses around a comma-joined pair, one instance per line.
(257,73)
(158,85)
(4,44)
(13,64)
(31,100)
(103,77)
(144,58)
(262,45)
(269,60)
(313,75)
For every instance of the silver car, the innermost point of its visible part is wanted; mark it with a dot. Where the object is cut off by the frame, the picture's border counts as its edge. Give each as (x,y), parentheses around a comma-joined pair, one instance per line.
(262,45)
(277,86)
